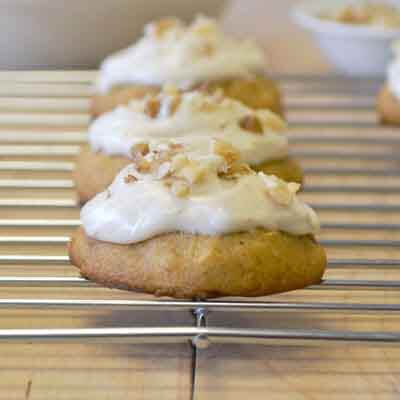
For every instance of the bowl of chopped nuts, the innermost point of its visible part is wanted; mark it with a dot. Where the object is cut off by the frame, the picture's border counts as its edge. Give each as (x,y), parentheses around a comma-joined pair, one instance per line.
(354,35)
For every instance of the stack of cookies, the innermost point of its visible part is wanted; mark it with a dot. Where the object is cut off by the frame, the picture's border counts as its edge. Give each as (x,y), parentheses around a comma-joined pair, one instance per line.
(189,188)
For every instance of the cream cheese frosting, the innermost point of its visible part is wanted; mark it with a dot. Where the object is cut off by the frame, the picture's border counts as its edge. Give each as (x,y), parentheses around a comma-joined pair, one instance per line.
(190,119)
(184,55)
(210,195)
(393,72)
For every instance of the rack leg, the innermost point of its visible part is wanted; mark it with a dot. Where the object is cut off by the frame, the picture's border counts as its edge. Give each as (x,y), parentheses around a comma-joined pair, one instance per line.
(201,340)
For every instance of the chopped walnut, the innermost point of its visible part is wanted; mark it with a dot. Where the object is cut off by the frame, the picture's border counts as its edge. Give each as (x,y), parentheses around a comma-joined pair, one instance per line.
(176,147)
(203,28)
(282,193)
(152,107)
(130,178)
(170,89)
(179,162)
(234,171)
(208,106)
(251,123)
(225,150)
(140,148)
(159,28)
(207,49)
(275,122)
(294,187)
(141,163)
(205,86)
(168,182)
(180,188)
(192,173)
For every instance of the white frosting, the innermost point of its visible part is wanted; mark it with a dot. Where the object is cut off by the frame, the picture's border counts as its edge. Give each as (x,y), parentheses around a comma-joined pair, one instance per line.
(199,118)
(183,55)
(136,211)
(393,72)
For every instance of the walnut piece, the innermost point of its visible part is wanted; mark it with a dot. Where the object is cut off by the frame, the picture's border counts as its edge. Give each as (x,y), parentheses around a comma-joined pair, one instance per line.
(176,147)
(130,178)
(140,148)
(205,86)
(225,150)
(180,188)
(234,171)
(207,49)
(179,162)
(283,193)
(152,107)
(203,28)
(294,187)
(251,123)
(192,173)
(142,165)
(275,122)
(170,89)
(159,28)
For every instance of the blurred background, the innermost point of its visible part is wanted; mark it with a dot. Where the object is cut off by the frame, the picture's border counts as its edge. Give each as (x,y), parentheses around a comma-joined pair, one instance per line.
(289,48)
(80,33)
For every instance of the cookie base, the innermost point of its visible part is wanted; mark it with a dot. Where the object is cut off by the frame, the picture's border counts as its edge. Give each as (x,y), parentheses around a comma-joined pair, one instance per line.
(189,266)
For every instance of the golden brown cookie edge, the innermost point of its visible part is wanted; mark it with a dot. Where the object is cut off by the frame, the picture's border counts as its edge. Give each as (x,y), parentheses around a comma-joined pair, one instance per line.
(181,265)
(388,107)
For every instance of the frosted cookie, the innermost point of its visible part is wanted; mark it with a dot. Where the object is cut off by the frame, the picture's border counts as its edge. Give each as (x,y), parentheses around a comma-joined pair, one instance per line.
(188,56)
(192,121)
(198,228)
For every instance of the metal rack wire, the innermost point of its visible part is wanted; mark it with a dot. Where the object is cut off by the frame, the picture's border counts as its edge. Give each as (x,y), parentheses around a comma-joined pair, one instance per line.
(42,124)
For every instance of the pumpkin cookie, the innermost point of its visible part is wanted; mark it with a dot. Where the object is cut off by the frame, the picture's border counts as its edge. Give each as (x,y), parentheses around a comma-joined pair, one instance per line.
(191,121)
(188,56)
(198,228)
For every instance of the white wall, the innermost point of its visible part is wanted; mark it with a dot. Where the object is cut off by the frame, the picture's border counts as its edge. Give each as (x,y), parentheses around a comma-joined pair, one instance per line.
(290,49)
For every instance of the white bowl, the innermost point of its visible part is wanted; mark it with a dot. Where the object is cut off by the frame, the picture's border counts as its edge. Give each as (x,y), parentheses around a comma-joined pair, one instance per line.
(80,33)
(354,50)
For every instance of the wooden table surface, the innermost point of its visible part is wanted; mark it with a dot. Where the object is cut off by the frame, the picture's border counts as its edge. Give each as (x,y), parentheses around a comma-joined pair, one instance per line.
(48,113)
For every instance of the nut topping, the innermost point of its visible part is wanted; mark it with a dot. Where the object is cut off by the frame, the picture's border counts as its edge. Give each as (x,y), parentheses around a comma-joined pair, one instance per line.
(281,192)
(152,107)
(159,28)
(251,123)
(130,178)
(235,171)
(179,162)
(180,188)
(207,49)
(294,187)
(142,165)
(275,122)
(225,150)
(140,148)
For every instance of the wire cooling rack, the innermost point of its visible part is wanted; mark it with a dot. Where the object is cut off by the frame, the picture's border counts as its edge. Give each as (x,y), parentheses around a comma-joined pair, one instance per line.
(353,175)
